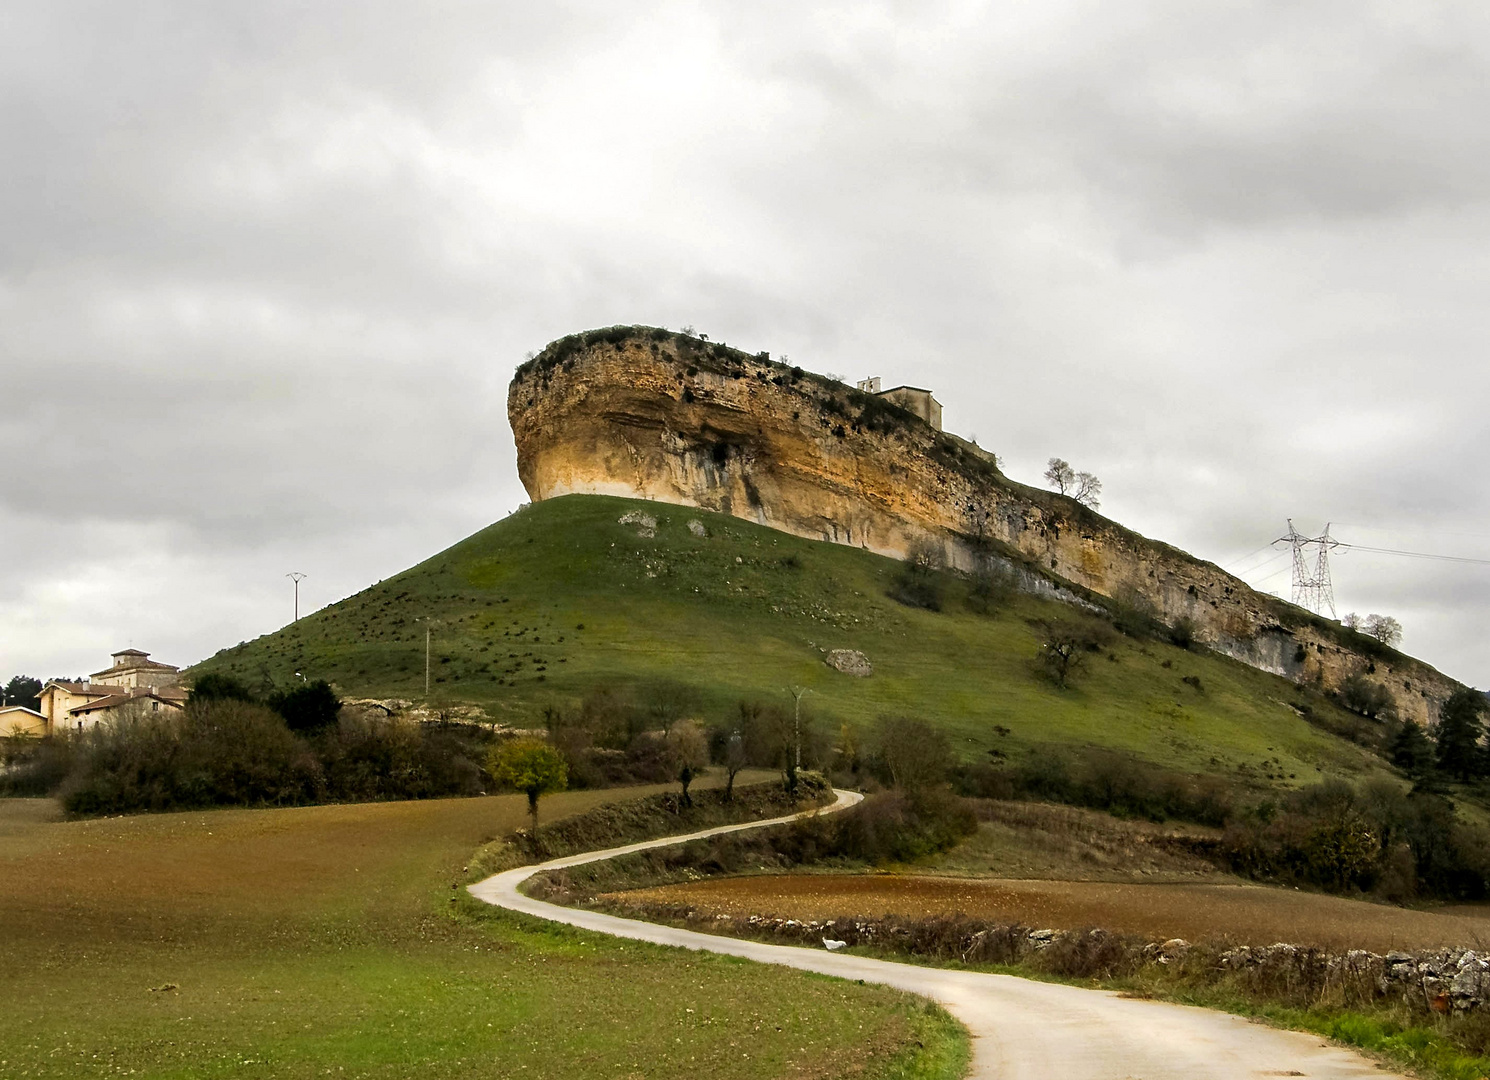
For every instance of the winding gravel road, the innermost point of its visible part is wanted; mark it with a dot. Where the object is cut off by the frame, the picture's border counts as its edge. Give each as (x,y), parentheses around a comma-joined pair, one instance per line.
(1022,1029)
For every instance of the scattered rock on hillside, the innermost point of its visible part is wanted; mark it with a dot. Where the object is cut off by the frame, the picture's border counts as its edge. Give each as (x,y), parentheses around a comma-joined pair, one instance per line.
(646,524)
(696,527)
(850,662)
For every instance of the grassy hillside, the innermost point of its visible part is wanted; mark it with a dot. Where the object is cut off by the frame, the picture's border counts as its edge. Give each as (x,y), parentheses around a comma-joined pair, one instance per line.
(562,597)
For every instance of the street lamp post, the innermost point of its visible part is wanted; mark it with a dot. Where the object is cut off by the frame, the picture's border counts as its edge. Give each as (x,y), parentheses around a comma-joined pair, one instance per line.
(297,577)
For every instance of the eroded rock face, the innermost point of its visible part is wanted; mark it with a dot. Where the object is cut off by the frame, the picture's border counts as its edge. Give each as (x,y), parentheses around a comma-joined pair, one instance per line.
(647,414)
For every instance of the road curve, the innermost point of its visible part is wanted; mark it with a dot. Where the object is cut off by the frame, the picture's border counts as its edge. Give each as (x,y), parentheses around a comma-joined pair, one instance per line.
(1022,1029)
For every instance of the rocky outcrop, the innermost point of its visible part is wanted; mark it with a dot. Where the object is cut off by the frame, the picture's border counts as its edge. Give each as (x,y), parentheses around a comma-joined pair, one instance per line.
(644,413)
(850,662)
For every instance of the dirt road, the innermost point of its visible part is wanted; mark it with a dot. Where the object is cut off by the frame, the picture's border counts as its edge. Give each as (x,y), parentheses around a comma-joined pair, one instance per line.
(1022,1030)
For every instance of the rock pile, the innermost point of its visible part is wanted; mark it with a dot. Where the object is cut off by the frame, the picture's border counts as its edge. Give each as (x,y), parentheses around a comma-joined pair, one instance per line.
(646,524)
(850,662)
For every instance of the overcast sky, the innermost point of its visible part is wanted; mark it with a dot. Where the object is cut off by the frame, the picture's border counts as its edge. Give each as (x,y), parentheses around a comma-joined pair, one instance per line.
(266,269)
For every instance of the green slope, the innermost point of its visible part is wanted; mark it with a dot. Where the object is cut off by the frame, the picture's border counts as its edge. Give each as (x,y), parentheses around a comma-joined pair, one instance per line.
(561,598)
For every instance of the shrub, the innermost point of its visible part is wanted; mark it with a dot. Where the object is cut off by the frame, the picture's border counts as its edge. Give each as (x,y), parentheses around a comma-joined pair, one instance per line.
(914,756)
(1370,699)
(34,767)
(918,582)
(893,827)
(217,687)
(1182,632)
(307,708)
(992,584)
(1373,838)
(1102,780)
(216,753)
(367,757)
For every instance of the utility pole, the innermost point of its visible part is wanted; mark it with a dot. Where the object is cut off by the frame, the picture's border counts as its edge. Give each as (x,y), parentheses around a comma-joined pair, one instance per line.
(297,577)
(429,623)
(797,693)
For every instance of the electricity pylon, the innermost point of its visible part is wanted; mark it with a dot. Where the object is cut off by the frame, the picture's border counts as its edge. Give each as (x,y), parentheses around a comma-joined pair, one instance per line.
(1312,587)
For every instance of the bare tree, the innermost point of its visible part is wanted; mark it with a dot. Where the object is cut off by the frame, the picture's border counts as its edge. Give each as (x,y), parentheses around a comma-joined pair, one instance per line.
(1351,621)
(918,584)
(771,735)
(917,755)
(1060,475)
(666,702)
(1088,488)
(1383,628)
(687,753)
(1063,648)
(1081,486)
(734,759)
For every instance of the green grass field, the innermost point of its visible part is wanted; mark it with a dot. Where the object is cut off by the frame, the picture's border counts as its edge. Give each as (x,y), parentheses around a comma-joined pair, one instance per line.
(323,941)
(561,598)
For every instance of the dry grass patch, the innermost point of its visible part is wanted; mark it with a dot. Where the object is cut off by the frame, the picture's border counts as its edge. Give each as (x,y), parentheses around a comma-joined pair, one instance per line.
(1040,840)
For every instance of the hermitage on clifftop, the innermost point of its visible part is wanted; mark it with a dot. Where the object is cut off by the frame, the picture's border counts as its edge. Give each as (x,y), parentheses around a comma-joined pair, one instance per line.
(912,399)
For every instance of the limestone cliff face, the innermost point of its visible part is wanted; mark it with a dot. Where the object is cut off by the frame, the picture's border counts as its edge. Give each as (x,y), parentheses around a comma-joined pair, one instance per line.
(648,414)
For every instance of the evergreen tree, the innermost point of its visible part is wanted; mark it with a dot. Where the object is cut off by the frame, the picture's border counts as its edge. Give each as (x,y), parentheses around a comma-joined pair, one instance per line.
(1411,750)
(1459,732)
(22,690)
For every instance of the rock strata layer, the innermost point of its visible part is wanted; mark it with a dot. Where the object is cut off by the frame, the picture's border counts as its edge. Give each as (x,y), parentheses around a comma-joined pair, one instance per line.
(647,414)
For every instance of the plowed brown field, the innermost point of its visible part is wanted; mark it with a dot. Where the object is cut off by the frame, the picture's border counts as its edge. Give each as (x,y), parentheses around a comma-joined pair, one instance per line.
(1245,914)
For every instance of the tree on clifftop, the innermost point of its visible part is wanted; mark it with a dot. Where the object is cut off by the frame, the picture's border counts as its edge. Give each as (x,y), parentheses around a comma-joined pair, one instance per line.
(530,766)
(1384,629)
(1081,486)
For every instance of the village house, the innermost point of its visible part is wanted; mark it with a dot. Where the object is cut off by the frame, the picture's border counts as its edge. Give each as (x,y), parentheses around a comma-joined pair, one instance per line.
(134,681)
(17,720)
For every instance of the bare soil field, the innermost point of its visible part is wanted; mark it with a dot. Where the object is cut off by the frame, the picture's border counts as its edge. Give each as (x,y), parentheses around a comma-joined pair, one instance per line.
(1196,911)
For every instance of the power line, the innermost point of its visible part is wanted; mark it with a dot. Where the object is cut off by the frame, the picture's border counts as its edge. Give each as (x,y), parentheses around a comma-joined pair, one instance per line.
(1255,567)
(1415,554)
(1230,563)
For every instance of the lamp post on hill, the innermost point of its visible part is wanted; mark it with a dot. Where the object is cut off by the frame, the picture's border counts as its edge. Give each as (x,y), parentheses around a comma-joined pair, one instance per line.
(297,577)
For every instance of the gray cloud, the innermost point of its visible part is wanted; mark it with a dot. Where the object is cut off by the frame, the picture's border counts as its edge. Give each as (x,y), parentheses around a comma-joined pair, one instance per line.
(264,272)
